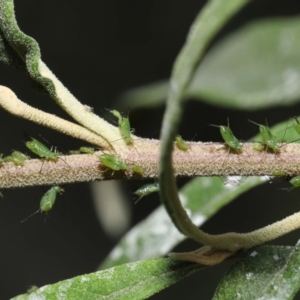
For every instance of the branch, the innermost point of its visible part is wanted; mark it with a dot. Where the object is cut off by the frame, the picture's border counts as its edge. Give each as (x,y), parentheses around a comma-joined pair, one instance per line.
(202,159)
(10,102)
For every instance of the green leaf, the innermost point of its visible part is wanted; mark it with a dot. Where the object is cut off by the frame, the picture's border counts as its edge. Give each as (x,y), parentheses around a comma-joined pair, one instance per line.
(20,50)
(255,67)
(267,272)
(131,281)
(157,235)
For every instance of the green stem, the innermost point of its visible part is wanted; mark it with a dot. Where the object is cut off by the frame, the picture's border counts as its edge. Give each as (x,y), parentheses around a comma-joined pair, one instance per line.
(215,14)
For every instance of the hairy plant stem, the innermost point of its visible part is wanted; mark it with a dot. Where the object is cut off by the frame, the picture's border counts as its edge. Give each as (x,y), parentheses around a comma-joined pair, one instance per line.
(202,159)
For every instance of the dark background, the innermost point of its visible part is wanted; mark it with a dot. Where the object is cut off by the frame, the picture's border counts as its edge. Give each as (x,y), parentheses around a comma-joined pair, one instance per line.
(99,50)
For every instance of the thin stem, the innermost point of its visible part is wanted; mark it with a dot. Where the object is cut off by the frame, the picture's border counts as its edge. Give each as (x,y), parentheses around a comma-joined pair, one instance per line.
(10,102)
(203,30)
(78,111)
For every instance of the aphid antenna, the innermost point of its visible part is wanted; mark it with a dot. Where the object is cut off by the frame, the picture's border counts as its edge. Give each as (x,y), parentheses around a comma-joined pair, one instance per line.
(228,122)
(286,127)
(288,189)
(194,137)
(254,122)
(213,125)
(266,121)
(26,134)
(30,216)
(128,111)
(46,141)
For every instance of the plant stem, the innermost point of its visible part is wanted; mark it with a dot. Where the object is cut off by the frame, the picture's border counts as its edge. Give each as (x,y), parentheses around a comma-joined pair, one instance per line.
(202,159)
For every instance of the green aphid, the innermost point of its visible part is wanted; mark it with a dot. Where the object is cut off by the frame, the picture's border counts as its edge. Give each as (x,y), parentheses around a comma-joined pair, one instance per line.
(1,195)
(41,150)
(17,157)
(278,173)
(86,150)
(258,147)
(112,162)
(49,198)
(268,138)
(295,181)
(230,140)
(146,190)
(32,289)
(124,127)
(181,144)
(72,152)
(138,169)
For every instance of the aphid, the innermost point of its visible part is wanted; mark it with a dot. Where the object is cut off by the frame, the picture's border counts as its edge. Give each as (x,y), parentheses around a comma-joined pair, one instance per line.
(41,150)
(258,147)
(278,173)
(181,144)
(32,289)
(49,198)
(86,150)
(230,140)
(88,108)
(113,162)
(295,181)
(124,127)
(137,169)
(146,190)
(268,138)
(17,157)
(1,195)
(74,152)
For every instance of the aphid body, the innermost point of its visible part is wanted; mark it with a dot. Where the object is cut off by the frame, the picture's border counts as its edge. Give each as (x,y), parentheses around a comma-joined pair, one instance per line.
(17,157)
(146,190)
(295,181)
(32,289)
(86,150)
(113,162)
(258,147)
(41,150)
(124,127)
(49,198)
(268,138)
(278,173)
(137,169)
(181,144)
(230,140)
(74,152)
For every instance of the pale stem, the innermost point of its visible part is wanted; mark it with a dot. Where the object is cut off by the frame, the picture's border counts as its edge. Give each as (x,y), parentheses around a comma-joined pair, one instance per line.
(10,102)
(202,159)
(79,112)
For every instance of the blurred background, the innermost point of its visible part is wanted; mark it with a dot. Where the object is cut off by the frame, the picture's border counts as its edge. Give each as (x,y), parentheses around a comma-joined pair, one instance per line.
(100,50)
